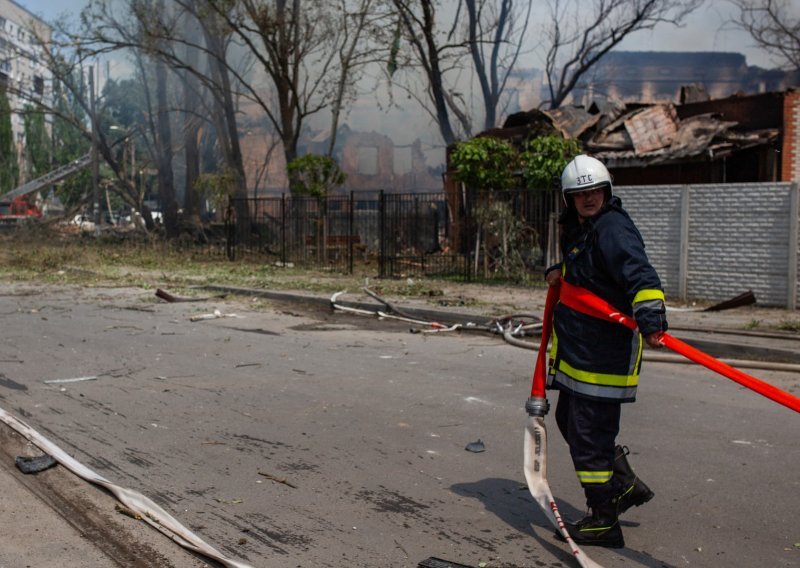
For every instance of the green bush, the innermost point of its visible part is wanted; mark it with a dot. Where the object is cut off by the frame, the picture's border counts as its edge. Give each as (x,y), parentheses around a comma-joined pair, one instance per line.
(544,158)
(314,175)
(485,163)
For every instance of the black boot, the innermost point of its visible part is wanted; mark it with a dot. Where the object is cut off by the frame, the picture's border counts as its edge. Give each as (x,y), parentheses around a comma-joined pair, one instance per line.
(634,490)
(601,528)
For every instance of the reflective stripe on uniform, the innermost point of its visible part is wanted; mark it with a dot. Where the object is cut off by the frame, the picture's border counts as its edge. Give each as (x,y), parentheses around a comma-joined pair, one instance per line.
(590,390)
(648,294)
(604,379)
(655,305)
(594,477)
(636,354)
(619,386)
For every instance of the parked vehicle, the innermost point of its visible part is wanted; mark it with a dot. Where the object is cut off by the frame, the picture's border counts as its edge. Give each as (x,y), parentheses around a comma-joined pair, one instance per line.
(18,209)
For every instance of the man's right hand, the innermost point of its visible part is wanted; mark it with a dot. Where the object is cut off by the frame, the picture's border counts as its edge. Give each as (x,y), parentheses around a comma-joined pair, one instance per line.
(553,276)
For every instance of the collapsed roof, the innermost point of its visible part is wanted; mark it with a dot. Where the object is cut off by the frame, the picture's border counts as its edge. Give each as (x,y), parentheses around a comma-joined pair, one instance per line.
(635,135)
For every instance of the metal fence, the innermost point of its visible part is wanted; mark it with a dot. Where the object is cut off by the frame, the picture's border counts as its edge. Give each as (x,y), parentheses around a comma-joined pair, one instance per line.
(458,234)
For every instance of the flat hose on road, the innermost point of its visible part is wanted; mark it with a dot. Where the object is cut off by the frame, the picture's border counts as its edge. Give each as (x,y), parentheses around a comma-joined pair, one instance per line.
(150,512)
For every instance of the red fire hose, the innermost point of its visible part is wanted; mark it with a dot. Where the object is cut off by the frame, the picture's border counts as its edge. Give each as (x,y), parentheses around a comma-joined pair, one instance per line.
(586,302)
(540,370)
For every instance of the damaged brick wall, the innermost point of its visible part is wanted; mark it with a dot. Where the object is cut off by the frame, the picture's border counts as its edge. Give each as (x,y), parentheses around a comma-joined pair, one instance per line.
(790,160)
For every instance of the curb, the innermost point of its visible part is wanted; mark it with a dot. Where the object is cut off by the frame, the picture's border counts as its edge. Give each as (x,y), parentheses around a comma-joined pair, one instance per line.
(719,349)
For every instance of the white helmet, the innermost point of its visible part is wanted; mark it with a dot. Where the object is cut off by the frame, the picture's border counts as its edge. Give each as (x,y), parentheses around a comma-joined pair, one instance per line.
(582,173)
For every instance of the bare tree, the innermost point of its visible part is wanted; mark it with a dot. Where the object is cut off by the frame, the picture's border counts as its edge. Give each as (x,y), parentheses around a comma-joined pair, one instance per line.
(191,127)
(361,31)
(164,149)
(581,34)
(66,59)
(458,47)
(434,56)
(189,42)
(494,33)
(774,25)
(306,56)
(104,31)
(308,52)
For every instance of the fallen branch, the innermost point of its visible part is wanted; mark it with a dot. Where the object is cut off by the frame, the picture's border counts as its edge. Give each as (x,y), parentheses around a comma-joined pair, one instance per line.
(278,479)
(167,297)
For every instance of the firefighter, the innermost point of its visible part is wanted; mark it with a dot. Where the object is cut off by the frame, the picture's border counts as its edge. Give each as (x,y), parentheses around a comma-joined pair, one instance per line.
(595,363)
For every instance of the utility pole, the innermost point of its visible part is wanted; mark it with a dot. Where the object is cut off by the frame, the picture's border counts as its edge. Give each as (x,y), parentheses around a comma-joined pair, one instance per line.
(95,163)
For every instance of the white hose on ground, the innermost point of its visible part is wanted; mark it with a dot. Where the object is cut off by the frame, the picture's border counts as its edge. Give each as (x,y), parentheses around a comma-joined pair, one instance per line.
(150,512)
(508,336)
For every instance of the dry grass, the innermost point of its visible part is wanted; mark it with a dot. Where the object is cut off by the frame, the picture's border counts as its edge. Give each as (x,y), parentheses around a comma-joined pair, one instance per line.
(51,255)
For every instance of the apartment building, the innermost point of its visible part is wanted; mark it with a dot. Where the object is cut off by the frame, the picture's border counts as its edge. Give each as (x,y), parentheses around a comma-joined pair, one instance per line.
(23,71)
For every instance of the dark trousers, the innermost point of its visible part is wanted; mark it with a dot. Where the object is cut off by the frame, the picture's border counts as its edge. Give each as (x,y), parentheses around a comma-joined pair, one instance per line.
(590,428)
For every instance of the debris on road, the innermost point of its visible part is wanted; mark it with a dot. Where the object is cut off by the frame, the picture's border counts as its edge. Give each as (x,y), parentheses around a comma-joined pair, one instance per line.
(476,447)
(229,501)
(215,315)
(127,512)
(167,297)
(744,299)
(278,479)
(515,325)
(433,562)
(74,380)
(34,464)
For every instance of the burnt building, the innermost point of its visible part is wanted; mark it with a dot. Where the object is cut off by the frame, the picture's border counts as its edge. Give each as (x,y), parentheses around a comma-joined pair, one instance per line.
(736,139)
(659,76)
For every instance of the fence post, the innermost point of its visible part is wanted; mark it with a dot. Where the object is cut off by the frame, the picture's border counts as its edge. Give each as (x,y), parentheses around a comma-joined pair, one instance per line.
(417,223)
(683,259)
(350,232)
(230,242)
(794,226)
(381,234)
(283,229)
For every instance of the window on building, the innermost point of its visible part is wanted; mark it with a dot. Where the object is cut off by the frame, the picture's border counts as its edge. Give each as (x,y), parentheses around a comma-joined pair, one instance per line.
(403,160)
(367,160)
(38,84)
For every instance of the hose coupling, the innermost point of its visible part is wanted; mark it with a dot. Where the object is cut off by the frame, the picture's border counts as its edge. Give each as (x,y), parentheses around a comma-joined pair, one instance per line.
(536,406)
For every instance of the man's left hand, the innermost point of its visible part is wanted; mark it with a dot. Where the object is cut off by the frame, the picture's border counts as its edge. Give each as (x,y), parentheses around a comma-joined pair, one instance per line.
(654,340)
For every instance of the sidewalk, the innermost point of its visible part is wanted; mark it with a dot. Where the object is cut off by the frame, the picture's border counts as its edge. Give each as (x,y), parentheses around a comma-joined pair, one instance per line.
(35,536)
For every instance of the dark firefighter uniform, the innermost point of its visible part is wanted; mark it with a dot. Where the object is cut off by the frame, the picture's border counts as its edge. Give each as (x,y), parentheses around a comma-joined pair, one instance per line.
(595,363)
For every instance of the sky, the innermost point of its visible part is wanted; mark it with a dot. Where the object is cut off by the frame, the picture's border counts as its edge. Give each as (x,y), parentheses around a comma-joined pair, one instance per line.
(706,31)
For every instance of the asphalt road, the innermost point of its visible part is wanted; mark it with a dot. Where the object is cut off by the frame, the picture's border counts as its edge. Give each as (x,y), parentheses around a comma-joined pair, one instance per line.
(290,436)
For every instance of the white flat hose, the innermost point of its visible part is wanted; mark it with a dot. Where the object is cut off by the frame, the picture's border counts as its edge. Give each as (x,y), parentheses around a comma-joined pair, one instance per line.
(150,512)
(536,476)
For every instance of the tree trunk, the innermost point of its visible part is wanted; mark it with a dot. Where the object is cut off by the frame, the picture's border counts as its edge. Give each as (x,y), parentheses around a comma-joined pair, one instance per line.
(166,182)
(191,131)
